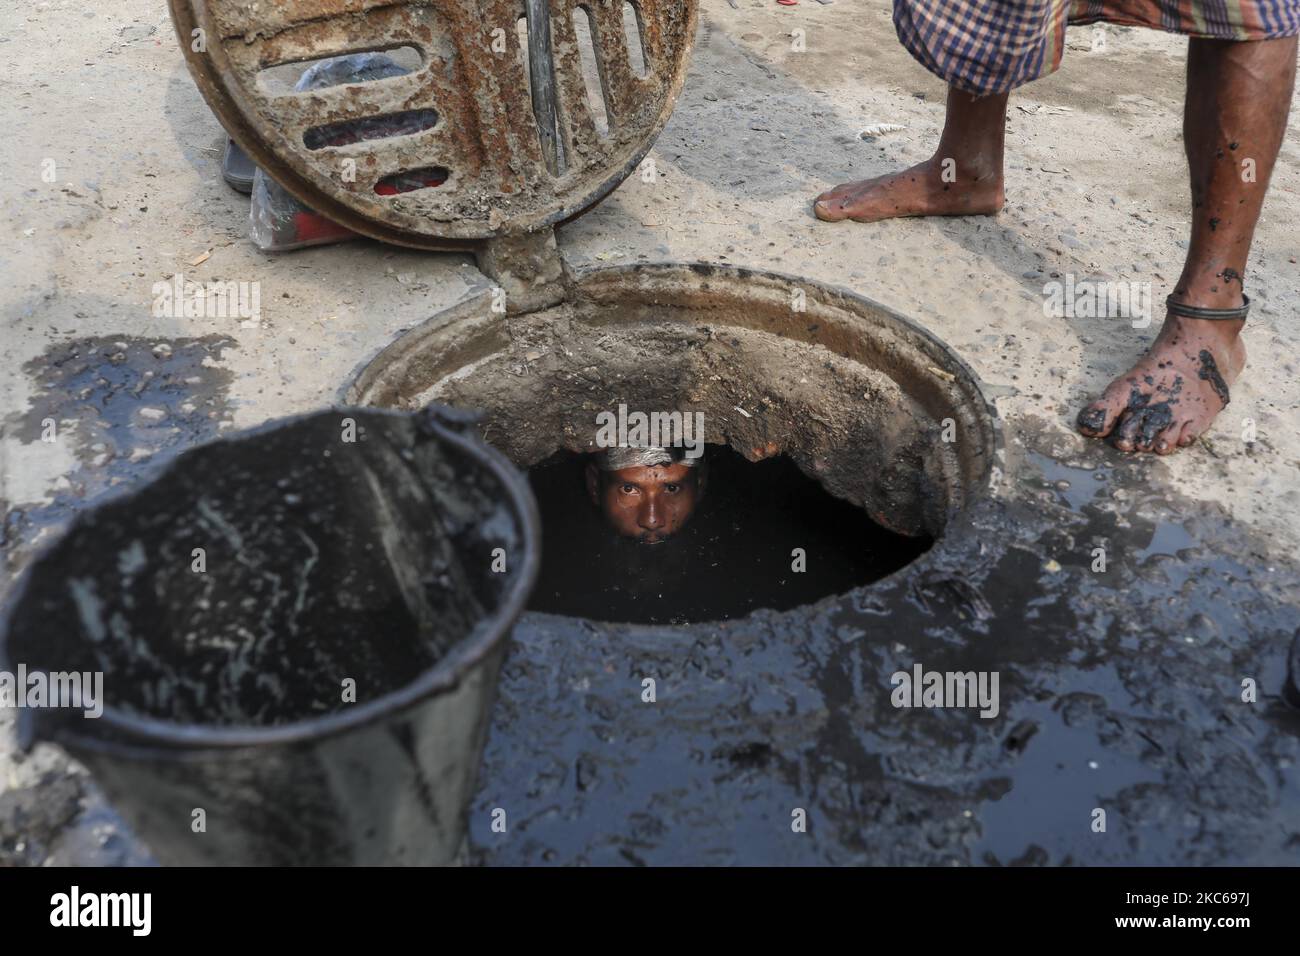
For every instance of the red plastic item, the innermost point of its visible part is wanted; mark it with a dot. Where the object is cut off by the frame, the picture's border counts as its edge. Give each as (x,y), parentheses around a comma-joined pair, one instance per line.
(278,221)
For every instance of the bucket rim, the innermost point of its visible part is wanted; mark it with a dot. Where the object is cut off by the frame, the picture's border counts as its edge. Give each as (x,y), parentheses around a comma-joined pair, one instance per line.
(138,733)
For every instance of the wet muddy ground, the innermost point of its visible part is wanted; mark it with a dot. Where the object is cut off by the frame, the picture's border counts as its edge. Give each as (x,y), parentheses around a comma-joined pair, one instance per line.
(124,403)
(119,401)
(1119,690)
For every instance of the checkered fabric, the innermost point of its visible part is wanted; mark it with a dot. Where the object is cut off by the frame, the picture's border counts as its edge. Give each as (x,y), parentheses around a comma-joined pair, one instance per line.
(991,46)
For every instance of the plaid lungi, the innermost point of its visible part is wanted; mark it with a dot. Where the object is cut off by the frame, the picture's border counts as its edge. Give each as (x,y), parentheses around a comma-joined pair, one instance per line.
(991,46)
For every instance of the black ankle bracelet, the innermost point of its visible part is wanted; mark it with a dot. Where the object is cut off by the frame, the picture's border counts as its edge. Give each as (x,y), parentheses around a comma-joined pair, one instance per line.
(1196,312)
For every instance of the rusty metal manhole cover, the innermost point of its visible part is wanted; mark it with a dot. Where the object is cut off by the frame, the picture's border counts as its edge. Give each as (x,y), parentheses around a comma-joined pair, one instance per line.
(518,113)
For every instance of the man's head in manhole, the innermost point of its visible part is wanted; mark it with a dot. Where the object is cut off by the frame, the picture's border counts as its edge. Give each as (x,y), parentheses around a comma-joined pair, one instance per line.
(646,493)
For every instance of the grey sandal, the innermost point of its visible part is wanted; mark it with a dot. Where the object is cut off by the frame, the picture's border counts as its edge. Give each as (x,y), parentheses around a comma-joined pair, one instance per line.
(237,169)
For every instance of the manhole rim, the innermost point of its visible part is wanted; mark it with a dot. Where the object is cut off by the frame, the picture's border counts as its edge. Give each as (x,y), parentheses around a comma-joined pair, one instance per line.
(368,376)
(147,737)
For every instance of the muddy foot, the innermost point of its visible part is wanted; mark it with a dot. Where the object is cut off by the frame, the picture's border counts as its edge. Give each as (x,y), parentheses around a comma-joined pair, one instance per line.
(918,191)
(1173,393)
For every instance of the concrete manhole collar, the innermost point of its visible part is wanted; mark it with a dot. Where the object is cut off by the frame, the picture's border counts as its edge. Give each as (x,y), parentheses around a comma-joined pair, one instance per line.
(874,407)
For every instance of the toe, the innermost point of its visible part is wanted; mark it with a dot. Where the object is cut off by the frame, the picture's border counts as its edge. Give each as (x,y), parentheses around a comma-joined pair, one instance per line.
(1169,440)
(1097,419)
(835,192)
(1148,432)
(1126,432)
(1157,420)
(1144,438)
(830,210)
(1190,432)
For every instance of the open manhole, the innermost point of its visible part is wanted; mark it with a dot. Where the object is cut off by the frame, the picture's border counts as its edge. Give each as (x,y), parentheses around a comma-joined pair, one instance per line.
(530,112)
(811,383)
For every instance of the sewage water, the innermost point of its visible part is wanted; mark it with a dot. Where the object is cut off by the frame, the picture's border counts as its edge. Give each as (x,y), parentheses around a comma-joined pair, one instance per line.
(756,523)
(1119,690)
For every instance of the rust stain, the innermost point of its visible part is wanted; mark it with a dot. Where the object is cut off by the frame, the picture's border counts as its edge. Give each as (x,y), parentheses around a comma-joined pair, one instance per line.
(474,76)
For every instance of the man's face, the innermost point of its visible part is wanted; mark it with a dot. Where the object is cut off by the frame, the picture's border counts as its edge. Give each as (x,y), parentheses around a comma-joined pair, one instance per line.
(647,502)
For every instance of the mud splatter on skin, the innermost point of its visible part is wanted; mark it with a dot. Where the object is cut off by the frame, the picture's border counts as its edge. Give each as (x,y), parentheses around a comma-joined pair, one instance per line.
(1209,372)
(1154,419)
(1139,403)
(1092,419)
(1228,275)
(1147,419)
(1214,223)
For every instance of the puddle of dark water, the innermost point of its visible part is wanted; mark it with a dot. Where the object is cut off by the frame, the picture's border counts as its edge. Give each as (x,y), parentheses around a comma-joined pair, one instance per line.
(121,401)
(1121,690)
(738,552)
(121,393)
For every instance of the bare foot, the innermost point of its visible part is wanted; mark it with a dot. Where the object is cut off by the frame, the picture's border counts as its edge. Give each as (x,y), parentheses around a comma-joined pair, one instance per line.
(918,191)
(1174,392)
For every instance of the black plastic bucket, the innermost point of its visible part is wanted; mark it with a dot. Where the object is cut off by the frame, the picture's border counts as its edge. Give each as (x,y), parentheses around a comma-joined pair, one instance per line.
(229,602)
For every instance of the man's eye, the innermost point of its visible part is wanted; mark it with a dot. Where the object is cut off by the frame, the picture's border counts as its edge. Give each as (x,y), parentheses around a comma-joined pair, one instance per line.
(628,489)
(673,489)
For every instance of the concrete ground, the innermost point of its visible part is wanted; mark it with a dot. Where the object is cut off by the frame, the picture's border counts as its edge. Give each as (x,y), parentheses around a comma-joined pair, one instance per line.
(113,185)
